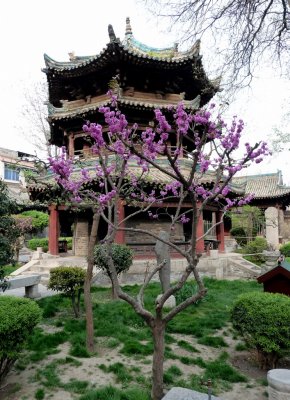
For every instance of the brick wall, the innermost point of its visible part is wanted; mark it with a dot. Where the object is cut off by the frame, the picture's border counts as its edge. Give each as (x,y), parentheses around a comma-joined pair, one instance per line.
(153,226)
(81,238)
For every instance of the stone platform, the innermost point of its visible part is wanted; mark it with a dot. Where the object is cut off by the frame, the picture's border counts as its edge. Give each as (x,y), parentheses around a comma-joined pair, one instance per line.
(178,393)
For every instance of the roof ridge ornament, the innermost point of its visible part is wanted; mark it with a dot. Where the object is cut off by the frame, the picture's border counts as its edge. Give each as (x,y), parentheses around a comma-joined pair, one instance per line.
(196,46)
(128,27)
(111,32)
(72,56)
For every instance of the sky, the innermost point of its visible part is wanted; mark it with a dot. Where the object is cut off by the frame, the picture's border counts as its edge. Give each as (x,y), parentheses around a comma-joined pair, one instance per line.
(31,28)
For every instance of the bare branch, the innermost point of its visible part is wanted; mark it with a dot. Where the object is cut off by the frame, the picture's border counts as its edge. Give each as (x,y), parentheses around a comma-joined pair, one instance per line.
(239,34)
(140,296)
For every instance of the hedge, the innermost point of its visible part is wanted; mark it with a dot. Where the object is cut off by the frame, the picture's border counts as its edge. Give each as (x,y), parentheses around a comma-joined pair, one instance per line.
(263,319)
(18,317)
(43,242)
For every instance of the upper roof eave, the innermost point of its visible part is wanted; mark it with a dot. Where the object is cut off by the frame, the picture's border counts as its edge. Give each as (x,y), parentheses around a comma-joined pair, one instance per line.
(80,62)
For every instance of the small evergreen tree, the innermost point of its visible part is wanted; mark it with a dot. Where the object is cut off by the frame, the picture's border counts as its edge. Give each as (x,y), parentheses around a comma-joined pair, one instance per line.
(122,257)
(69,281)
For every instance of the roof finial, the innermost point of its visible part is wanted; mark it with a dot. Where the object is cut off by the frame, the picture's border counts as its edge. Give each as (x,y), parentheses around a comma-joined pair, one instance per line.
(112,35)
(72,56)
(128,27)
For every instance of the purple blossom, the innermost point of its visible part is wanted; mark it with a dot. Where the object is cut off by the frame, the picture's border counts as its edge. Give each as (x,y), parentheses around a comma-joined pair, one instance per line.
(183,219)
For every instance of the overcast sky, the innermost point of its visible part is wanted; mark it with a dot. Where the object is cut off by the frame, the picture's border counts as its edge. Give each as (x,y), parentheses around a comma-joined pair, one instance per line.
(56,27)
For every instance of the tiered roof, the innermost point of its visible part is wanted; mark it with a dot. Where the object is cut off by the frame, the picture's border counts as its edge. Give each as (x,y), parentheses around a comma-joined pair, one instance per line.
(153,176)
(184,67)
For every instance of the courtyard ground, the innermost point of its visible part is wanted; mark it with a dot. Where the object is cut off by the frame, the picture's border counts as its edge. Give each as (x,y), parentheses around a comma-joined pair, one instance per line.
(200,345)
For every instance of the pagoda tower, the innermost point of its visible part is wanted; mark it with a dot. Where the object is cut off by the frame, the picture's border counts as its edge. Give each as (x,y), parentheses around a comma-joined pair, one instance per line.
(144,78)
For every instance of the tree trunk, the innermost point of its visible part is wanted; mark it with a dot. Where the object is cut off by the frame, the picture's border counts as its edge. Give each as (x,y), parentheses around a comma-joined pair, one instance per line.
(158,332)
(90,345)
(79,301)
(74,306)
(115,295)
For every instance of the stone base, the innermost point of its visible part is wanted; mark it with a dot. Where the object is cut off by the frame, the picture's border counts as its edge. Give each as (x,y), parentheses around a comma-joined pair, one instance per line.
(214,253)
(170,302)
(279,384)
(178,393)
(32,291)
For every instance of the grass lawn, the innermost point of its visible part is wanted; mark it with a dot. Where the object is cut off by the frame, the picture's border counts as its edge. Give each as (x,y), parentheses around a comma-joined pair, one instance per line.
(56,360)
(8,269)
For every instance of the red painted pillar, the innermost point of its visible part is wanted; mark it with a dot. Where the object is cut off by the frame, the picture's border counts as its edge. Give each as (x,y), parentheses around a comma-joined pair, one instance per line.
(120,235)
(199,234)
(220,232)
(53,230)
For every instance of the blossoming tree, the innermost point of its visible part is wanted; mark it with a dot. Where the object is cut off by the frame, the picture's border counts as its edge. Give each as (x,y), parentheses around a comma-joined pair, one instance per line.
(125,156)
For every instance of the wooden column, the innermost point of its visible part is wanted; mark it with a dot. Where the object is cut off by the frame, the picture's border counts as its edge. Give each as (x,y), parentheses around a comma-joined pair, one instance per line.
(53,230)
(200,233)
(120,235)
(220,232)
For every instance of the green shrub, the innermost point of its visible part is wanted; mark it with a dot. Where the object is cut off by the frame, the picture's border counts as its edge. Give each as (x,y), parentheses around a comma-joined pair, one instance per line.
(39,394)
(239,234)
(121,254)
(69,281)
(18,317)
(212,341)
(68,240)
(43,242)
(258,245)
(39,219)
(263,319)
(285,249)
(38,242)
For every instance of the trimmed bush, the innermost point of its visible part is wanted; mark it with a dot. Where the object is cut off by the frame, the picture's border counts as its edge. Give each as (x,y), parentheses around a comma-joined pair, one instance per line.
(122,257)
(43,242)
(18,317)
(239,234)
(38,242)
(70,281)
(285,249)
(263,319)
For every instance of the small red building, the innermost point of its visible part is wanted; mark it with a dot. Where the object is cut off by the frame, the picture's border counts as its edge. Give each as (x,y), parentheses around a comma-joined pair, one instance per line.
(277,280)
